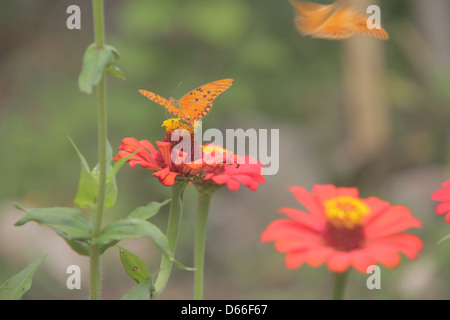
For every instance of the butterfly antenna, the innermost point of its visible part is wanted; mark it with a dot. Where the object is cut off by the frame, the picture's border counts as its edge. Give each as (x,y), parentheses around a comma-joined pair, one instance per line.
(176,89)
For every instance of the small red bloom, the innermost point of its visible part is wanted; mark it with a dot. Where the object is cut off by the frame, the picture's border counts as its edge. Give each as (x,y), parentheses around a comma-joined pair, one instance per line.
(231,170)
(343,230)
(159,161)
(443,195)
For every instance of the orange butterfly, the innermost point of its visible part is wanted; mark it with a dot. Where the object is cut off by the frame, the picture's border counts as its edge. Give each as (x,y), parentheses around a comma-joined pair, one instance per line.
(338,20)
(194,105)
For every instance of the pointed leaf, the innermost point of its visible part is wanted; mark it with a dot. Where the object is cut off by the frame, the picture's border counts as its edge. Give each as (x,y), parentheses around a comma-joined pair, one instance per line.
(181,266)
(141,291)
(132,228)
(447,237)
(133,265)
(111,193)
(147,211)
(16,286)
(115,71)
(69,221)
(95,61)
(119,164)
(87,186)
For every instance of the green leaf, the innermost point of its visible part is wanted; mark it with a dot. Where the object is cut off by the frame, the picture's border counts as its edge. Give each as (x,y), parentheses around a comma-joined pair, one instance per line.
(68,221)
(115,71)
(141,291)
(147,211)
(111,186)
(87,186)
(95,62)
(16,286)
(132,228)
(133,265)
(181,266)
(444,239)
(87,192)
(111,193)
(117,166)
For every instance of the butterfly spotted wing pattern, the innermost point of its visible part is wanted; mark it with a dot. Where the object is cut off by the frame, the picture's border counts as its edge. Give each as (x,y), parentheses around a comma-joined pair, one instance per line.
(194,105)
(338,20)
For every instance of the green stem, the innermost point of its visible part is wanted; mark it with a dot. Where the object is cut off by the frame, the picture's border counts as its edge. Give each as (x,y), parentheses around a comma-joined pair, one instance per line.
(204,200)
(340,281)
(173,228)
(95,288)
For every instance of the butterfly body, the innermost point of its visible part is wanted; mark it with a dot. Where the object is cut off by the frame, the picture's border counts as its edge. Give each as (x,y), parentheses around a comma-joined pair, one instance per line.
(176,103)
(194,105)
(338,20)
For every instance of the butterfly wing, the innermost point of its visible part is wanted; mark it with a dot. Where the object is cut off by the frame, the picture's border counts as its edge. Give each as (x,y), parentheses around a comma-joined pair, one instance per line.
(347,21)
(335,21)
(164,102)
(197,103)
(310,16)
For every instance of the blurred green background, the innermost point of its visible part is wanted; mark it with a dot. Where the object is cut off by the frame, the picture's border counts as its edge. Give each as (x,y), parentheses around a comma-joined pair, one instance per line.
(388,137)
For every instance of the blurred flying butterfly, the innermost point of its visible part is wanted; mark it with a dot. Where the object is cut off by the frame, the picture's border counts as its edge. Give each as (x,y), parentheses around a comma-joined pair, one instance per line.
(335,21)
(194,105)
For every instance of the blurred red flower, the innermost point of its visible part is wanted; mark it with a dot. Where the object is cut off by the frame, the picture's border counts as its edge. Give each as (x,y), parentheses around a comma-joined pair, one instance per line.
(443,195)
(343,230)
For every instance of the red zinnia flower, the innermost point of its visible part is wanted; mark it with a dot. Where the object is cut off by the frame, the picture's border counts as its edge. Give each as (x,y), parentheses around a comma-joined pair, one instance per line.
(159,161)
(443,195)
(343,230)
(231,170)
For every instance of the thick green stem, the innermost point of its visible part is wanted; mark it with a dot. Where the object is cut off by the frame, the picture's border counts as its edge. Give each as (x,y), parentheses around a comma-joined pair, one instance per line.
(204,200)
(173,228)
(340,281)
(95,288)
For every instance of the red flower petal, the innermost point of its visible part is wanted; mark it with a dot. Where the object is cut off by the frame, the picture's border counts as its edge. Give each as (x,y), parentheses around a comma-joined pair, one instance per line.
(166,177)
(361,259)
(392,221)
(303,218)
(284,228)
(166,151)
(295,243)
(295,259)
(443,208)
(308,201)
(232,175)
(444,196)
(441,195)
(338,261)
(377,208)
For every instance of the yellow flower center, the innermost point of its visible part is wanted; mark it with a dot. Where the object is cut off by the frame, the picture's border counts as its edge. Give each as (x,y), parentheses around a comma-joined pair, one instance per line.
(212,148)
(173,124)
(345,211)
